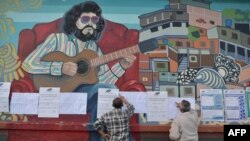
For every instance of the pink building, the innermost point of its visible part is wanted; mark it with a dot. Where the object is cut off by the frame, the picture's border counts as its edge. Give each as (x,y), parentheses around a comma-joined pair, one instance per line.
(204,18)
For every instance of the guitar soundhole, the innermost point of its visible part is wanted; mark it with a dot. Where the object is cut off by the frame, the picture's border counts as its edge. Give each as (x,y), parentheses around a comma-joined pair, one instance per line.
(82,67)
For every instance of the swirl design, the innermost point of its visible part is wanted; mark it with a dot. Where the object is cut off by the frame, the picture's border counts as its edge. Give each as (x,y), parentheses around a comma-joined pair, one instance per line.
(211,78)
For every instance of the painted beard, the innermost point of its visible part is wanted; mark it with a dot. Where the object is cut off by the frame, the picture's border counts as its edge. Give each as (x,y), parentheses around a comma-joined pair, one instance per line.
(90,33)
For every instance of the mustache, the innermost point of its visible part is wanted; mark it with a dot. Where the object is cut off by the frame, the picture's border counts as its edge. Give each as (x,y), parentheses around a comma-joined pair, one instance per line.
(87,27)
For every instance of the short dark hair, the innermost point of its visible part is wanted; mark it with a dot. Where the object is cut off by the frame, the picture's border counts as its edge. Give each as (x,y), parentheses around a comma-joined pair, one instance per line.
(71,16)
(186,106)
(117,103)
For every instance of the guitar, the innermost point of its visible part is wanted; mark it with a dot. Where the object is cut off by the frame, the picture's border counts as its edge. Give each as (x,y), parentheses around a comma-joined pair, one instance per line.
(87,62)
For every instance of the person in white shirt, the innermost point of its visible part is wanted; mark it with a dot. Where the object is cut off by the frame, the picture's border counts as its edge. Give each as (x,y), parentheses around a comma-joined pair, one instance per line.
(185,127)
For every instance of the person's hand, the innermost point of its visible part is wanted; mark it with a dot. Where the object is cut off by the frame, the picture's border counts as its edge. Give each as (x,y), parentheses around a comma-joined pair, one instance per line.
(105,136)
(178,105)
(127,61)
(123,99)
(69,68)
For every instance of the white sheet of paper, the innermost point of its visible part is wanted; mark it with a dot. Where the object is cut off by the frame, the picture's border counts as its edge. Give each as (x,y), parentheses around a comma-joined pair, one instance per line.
(212,107)
(157,106)
(235,105)
(212,114)
(73,103)
(173,111)
(4,96)
(232,101)
(105,99)
(4,104)
(48,105)
(137,99)
(24,103)
(207,100)
(233,114)
(5,89)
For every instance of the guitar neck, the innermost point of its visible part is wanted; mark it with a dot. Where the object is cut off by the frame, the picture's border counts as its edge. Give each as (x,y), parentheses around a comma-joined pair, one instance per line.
(114,56)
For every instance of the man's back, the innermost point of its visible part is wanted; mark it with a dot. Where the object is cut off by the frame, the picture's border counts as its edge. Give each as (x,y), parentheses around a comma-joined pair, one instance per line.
(116,121)
(185,127)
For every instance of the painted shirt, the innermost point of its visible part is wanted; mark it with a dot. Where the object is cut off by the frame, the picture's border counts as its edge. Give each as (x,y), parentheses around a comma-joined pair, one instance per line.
(70,46)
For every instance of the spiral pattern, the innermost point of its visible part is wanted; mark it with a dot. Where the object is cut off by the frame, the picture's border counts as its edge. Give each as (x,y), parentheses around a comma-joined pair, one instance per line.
(211,78)
(10,66)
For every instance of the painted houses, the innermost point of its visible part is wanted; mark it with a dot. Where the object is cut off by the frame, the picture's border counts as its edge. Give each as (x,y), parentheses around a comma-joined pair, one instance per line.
(167,21)
(204,18)
(232,43)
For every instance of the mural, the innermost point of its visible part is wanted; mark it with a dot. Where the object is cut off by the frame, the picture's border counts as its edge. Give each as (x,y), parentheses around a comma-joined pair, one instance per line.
(185,45)
(10,65)
(205,46)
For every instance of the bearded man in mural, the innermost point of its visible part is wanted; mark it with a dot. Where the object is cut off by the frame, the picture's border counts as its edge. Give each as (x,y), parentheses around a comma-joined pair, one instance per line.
(83,25)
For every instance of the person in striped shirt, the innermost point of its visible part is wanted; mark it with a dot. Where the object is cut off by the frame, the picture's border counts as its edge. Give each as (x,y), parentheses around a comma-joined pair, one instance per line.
(82,26)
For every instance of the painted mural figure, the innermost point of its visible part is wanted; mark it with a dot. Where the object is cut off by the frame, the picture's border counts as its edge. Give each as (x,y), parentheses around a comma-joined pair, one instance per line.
(83,26)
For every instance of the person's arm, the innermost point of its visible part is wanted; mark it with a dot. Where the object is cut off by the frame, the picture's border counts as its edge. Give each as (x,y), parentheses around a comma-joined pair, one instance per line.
(117,70)
(130,108)
(174,132)
(98,125)
(33,63)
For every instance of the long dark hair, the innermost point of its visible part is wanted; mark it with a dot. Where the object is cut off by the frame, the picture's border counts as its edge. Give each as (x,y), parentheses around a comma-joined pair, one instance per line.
(70,18)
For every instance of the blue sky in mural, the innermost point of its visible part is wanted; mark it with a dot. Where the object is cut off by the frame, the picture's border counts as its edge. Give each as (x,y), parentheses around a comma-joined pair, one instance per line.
(121,11)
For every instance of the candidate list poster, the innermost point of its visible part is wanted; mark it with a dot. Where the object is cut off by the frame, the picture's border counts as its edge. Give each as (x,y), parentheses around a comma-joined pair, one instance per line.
(212,107)
(248,100)
(235,105)
(105,100)
(157,106)
(4,96)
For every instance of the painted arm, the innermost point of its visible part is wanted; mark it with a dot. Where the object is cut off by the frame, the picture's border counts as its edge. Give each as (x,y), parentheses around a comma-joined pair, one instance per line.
(117,70)
(33,64)
(111,75)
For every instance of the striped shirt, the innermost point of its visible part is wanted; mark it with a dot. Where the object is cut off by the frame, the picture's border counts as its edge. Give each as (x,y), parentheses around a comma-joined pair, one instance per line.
(117,123)
(69,45)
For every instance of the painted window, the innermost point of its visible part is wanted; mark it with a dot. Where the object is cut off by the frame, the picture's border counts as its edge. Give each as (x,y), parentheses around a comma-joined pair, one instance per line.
(241,53)
(161,65)
(231,50)
(176,24)
(248,56)
(211,22)
(167,25)
(179,12)
(178,43)
(222,47)
(154,29)
(224,32)
(234,36)
(192,59)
